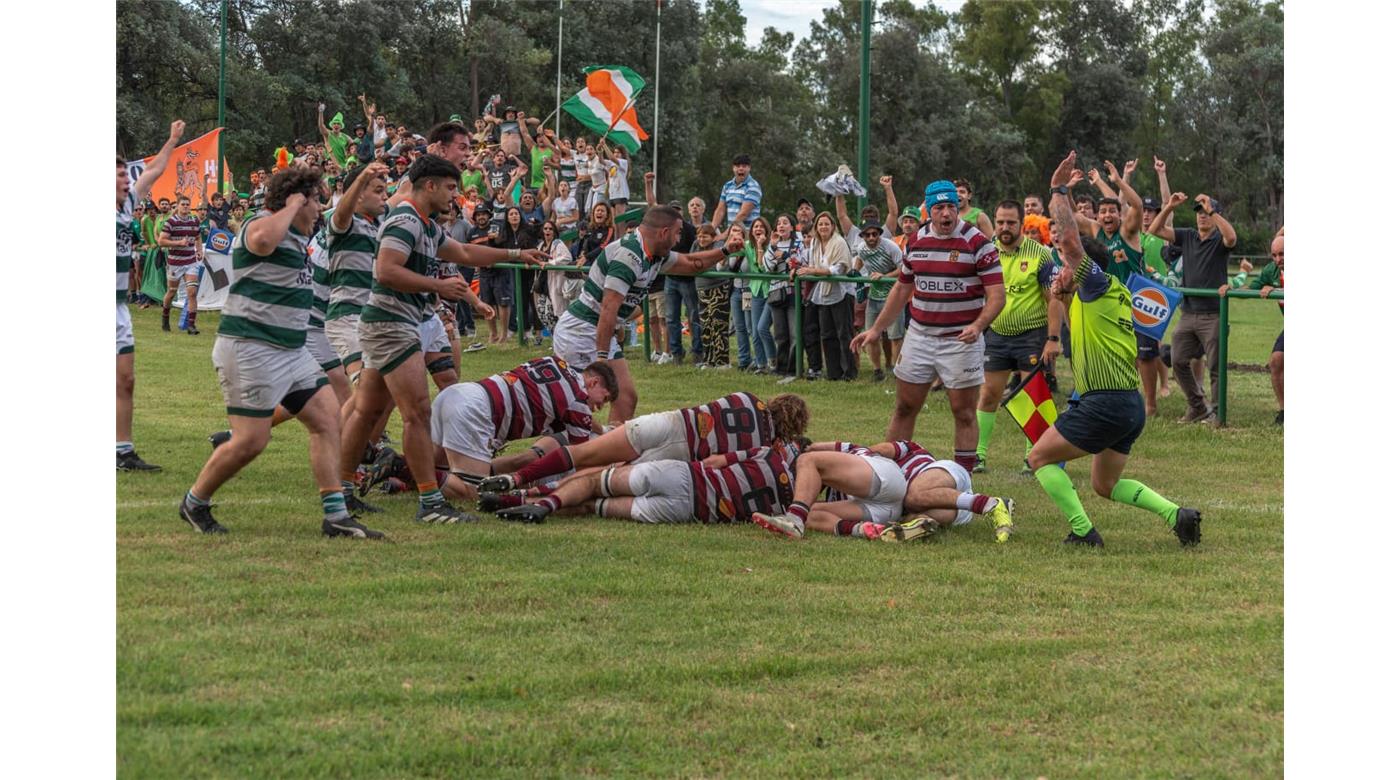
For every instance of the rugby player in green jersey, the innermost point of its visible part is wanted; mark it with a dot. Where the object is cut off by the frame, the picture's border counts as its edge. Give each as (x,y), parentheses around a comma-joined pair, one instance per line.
(1110,414)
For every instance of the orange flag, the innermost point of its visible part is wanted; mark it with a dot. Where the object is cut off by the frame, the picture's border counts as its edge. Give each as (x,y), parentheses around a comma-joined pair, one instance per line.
(193,170)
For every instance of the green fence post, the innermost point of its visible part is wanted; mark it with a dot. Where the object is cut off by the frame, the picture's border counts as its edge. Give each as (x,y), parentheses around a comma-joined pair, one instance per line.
(519,307)
(801,351)
(1223,346)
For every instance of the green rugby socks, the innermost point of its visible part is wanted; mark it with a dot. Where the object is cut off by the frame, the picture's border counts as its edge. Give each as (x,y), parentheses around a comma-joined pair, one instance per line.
(1130,491)
(1060,488)
(986,423)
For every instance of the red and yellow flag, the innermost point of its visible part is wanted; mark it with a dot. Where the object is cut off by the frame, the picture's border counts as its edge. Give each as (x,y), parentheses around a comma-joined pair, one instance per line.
(193,170)
(1033,406)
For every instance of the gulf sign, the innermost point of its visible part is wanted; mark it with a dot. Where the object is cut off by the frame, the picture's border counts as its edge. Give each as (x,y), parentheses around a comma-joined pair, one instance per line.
(219,241)
(1153,306)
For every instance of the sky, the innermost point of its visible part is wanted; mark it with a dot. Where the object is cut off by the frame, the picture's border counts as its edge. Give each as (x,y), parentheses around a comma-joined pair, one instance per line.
(795,16)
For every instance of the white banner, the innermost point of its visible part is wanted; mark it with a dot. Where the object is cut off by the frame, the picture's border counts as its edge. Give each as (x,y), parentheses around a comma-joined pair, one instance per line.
(213,282)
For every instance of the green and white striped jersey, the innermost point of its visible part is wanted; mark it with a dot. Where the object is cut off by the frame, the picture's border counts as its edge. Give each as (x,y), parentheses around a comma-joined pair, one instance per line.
(351,266)
(622,267)
(270,298)
(320,282)
(407,231)
(124,245)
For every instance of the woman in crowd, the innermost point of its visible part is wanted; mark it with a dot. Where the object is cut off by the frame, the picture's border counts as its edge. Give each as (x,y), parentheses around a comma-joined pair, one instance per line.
(714,305)
(739,297)
(618,167)
(599,233)
(562,288)
(512,235)
(830,255)
(760,318)
(783,255)
(565,206)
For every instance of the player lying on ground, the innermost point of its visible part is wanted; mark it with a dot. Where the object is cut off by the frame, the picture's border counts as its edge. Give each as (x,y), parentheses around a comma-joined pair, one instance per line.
(1110,413)
(734,423)
(875,487)
(470,421)
(938,493)
(722,488)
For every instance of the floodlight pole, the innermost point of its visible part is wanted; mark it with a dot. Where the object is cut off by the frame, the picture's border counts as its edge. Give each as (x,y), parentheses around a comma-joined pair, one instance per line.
(223,60)
(867,14)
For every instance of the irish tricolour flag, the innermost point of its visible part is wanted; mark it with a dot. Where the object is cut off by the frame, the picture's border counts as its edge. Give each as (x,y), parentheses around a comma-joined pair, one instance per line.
(605,104)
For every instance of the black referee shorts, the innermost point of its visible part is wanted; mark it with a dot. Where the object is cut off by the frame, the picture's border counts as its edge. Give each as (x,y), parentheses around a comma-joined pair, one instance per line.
(1104,419)
(1012,353)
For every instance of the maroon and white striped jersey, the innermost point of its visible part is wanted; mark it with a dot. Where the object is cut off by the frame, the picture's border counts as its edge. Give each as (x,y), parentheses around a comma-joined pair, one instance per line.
(756,480)
(539,397)
(734,423)
(911,458)
(948,275)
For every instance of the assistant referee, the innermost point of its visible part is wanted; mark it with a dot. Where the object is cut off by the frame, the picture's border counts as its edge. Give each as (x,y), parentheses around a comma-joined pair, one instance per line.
(1110,413)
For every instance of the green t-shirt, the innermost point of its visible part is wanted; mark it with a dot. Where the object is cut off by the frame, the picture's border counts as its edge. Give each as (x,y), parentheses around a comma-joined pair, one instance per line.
(474,178)
(1026,273)
(537,158)
(1103,345)
(971,216)
(1152,257)
(1126,260)
(337,143)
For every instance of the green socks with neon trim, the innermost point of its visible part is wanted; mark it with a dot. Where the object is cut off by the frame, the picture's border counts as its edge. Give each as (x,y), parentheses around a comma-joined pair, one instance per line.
(986,423)
(1060,488)
(1130,491)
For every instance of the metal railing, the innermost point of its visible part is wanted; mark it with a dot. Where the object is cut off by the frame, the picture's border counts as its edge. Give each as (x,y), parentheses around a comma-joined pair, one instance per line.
(799,344)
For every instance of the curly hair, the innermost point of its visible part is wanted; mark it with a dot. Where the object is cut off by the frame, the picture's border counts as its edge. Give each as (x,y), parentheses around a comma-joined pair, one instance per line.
(286,183)
(790,416)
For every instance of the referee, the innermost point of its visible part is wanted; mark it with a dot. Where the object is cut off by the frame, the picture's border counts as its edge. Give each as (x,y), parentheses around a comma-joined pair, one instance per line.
(1110,414)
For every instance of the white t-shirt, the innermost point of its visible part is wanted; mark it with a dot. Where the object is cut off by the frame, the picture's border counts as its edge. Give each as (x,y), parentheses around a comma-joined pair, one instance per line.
(598,173)
(566,211)
(617,179)
(857,243)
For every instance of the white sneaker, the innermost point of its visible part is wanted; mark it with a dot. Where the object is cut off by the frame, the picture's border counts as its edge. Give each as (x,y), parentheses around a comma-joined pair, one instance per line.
(664,359)
(655,357)
(783,524)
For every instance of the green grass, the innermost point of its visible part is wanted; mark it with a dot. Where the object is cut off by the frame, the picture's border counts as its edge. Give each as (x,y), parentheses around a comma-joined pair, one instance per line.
(592,647)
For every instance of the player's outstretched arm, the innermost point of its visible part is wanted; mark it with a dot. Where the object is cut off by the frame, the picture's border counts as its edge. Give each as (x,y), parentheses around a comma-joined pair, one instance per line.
(1062,212)
(477,255)
(1132,203)
(143,185)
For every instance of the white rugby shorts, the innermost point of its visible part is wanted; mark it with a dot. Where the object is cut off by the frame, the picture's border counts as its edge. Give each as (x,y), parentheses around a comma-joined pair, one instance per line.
(924,356)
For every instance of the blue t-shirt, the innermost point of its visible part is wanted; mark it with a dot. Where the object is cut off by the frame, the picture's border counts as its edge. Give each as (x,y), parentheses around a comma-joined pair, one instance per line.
(735,195)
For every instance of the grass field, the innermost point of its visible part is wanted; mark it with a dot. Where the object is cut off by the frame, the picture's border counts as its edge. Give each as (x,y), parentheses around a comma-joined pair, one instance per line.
(592,647)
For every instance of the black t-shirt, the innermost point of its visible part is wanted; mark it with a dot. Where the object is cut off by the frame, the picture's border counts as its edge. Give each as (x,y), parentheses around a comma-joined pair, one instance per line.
(1203,265)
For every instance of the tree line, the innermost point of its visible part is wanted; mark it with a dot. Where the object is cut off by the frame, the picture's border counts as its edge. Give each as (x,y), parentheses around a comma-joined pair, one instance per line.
(994,92)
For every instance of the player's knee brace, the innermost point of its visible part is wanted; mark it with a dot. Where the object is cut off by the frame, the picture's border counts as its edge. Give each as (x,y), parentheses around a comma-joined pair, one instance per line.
(600,505)
(441,364)
(603,482)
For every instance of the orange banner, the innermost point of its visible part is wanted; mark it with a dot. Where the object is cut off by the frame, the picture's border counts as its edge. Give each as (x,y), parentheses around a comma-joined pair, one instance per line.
(193,170)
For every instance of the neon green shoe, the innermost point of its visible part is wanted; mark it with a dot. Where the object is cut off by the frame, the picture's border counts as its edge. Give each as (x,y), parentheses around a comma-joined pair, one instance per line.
(981,467)
(1001,519)
(921,527)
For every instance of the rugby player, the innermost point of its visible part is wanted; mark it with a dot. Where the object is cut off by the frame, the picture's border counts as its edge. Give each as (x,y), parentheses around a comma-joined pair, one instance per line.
(734,423)
(724,488)
(614,288)
(180,236)
(472,420)
(261,358)
(951,278)
(1110,413)
(1027,331)
(128,195)
(410,246)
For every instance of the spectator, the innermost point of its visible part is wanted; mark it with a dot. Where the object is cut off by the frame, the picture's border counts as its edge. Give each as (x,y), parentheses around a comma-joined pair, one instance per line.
(477,231)
(1085,206)
(565,206)
(1205,254)
(497,288)
(563,286)
(1270,279)
(782,257)
(740,198)
(740,299)
(834,301)
(714,307)
(236,215)
(760,319)
(878,258)
(218,211)
(510,130)
(597,171)
(618,166)
(968,212)
(599,233)
(337,142)
(543,155)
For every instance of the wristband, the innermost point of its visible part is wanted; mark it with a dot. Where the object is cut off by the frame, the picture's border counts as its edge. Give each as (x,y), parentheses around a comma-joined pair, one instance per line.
(603,355)
(513,254)
(1062,189)
(1052,338)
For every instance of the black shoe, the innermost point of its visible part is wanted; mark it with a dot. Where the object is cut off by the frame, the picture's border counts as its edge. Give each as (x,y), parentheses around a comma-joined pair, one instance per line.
(165,322)
(813,375)
(878,376)
(1188,527)
(348,526)
(130,461)
(1091,539)
(378,470)
(497,483)
(1278,418)
(443,513)
(220,437)
(492,502)
(527,513)
(355,506)
(192,331)
(200,518)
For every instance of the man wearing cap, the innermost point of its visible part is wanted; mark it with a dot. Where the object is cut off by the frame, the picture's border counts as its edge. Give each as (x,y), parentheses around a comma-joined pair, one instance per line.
(337,142)
(951,278)
(740,198)
(1205,254)
(878,258)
